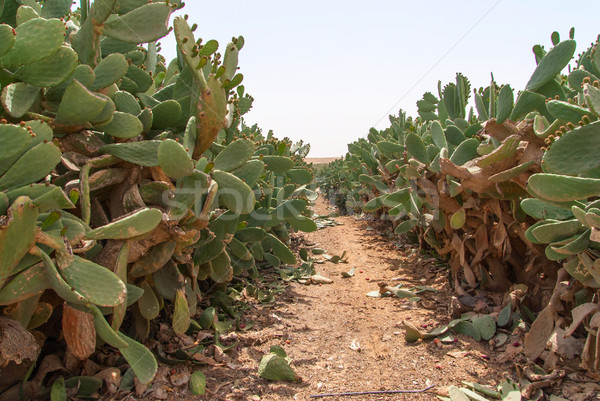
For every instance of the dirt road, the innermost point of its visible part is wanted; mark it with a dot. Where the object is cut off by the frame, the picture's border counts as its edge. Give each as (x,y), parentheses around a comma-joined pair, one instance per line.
(341,340)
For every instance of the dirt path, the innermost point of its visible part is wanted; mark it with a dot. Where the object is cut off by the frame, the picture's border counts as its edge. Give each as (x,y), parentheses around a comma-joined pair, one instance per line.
(317,324)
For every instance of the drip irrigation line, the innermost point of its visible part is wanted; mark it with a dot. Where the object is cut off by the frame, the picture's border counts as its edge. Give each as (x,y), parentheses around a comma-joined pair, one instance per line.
(373,392)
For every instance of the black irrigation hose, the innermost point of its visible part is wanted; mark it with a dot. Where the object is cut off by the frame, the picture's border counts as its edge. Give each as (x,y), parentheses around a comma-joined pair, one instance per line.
(373,392)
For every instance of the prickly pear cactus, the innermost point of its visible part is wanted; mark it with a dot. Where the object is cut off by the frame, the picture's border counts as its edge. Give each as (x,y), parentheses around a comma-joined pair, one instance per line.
(507,191)
(124,178)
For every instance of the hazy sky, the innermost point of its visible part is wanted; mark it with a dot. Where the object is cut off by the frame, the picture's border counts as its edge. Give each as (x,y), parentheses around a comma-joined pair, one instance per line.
(327,71)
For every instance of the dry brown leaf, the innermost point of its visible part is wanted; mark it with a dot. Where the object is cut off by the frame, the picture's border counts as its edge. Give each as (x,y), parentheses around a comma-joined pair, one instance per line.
(111,378)
(541,329)
(579,314)
(79,331)
(16,343)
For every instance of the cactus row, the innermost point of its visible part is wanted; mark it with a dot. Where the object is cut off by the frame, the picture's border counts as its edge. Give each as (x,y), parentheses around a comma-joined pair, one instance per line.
(506,190)
(129,183)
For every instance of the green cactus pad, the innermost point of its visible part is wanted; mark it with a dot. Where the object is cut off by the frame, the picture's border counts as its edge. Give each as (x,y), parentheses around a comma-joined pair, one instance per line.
(17,235)
(56,8)
(250,234)
(234,155)
(7,38)
(109,71)
(14,140)
(166,114)
(140,359)
(25,13)
(95,282)
(174,160)
(35,164)
(154,260)
(148,303)
(390,148)
(36,39)
(143,153)
(300,176)
(132,225)
(557,231)
(250,172)
(592,98)
(79,105)
(123,125)
(143,24)
(302,223)
(104,330)
(181,313)
(139,78)
(51,71)
(505,104)
(454,135)
(53,199)
(551,64)
(504,151)
(486,326)
(562,188)
(239,249)
(465,152)
(416,148)
(18,98)
(221,268)
(279,249)
(541,210)
(437,134)
(576,244)
(277,164)
(566,111)
(511,172)
(526,103)
(126,103)
(467,328)
(575,152)
(26,284)
(235,194)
